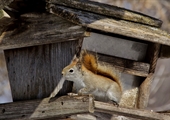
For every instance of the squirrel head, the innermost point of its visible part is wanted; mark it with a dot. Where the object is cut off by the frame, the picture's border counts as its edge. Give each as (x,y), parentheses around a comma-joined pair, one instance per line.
(73,71)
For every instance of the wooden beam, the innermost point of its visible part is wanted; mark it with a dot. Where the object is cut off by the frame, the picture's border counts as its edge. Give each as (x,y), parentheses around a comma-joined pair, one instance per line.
(37,29)
(144,92)
(42,109)
(110,25)
(109,10)
(125,65)
(133,113)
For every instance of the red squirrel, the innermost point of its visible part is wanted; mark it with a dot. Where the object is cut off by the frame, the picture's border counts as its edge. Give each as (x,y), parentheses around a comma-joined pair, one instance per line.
(91,77)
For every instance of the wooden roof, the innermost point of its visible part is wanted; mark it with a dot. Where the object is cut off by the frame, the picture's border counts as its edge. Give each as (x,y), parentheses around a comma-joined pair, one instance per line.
(81,14)
(126,23)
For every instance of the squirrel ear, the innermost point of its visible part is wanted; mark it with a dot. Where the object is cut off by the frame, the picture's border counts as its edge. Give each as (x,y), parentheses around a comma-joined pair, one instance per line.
(78,65)
(75,59)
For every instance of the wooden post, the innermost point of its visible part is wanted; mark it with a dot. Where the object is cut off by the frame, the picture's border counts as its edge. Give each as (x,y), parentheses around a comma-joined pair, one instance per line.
(144,92)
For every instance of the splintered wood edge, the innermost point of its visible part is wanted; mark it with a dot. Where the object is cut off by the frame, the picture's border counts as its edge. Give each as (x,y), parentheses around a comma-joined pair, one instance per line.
(47,108)
(109,10)
(111,25)
(68,105)
(36,33)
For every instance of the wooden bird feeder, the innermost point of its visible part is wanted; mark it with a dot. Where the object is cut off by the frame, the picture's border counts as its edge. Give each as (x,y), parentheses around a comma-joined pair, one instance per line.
(38,42)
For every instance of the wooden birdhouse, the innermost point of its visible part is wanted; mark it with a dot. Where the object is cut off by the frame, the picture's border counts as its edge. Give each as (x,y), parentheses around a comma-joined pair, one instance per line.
(41,38)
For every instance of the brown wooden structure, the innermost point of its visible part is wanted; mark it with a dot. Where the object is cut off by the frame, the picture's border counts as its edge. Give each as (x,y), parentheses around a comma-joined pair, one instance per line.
(40,38)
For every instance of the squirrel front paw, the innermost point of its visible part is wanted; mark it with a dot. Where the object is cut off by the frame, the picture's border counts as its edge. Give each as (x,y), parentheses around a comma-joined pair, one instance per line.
(83,91)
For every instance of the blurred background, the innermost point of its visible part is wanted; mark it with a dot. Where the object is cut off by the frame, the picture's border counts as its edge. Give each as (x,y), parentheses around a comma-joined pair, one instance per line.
(159,97)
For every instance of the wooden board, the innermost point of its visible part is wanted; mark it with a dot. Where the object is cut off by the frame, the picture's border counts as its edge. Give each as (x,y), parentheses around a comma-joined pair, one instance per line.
(110,25)
(108,10)
(65,106)
(45,108)
(125,65)
(112,45)
(35,71)
(133,113)
(38,29)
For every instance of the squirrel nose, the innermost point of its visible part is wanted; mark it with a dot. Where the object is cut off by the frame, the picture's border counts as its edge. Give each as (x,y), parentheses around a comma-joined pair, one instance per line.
(62,73)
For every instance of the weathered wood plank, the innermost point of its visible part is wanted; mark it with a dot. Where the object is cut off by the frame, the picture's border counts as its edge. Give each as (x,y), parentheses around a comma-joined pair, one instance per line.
(42,109)
(165,51)
(108,10)
(35,71)
(125,65)
(3,3)
(133,113)
(68,105)
(105,24)
(144,92)
(35,29)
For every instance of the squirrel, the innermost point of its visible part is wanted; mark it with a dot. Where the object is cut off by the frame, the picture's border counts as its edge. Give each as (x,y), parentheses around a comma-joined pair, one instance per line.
(91,77)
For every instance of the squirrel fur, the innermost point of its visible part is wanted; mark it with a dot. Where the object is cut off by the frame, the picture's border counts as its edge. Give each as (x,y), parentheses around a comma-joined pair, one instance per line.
(91,77)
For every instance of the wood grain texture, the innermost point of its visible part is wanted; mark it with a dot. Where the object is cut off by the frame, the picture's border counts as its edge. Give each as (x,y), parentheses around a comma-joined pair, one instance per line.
(108,10)
(35,71)
(38,29)
(110,25)
(4,3)
(63,107)
(45,108)
(133,113)
(125,65)
(144,92)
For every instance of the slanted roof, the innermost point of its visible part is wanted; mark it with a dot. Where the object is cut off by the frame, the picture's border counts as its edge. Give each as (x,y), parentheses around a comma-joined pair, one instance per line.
(126,23)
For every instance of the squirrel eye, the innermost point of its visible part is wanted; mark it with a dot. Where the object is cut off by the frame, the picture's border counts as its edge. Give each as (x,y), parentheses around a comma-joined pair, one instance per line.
(71,70)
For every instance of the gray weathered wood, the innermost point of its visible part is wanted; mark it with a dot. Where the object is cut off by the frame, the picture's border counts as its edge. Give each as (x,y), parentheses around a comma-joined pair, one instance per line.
(125,65)
(109,10)
(68,105)
(37,29)
(3,3)
(35,71)
(144,92)
(133,113)
(105,24)
(45,108)
(165,51)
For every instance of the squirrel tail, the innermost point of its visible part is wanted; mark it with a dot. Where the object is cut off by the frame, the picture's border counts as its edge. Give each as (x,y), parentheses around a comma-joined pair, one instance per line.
(91,63)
